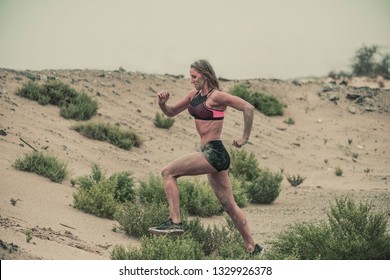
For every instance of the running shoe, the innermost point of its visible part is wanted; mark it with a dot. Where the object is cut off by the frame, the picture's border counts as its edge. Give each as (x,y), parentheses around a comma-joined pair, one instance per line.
(168,227)
(257,250)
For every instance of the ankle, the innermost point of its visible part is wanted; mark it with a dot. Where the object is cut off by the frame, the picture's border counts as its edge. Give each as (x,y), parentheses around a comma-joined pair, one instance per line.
(175,221)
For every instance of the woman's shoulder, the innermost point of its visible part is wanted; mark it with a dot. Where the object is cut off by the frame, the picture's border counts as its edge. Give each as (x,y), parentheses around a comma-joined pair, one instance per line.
(219,99)
(219,95)
(225,99)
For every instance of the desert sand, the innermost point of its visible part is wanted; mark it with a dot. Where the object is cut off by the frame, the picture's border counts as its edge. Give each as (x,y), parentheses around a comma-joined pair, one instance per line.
(330,131)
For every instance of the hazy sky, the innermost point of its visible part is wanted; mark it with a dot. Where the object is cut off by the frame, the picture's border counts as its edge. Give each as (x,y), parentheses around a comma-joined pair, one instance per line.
(242,39)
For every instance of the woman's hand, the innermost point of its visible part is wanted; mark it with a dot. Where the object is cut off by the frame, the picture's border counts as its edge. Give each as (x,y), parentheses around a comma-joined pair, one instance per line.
(240,142)
(162,97)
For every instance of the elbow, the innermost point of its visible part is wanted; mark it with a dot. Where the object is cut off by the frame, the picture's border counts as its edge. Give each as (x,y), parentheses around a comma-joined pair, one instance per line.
(169,113)
(249,108)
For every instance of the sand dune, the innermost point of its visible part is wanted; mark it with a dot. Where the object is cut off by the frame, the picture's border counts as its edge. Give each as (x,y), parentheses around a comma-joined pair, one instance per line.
(330,131)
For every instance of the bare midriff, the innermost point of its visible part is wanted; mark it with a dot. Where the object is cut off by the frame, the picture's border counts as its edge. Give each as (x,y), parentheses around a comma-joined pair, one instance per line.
(209,130)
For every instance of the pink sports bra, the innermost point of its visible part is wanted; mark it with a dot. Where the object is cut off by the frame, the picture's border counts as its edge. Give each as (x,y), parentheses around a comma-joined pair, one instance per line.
(199,110)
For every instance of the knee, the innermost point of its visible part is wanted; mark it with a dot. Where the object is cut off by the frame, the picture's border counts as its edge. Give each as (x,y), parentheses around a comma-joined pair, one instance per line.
(166,173)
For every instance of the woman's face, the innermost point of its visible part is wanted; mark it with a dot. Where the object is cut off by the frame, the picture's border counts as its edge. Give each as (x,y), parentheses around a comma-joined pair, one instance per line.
(197,79)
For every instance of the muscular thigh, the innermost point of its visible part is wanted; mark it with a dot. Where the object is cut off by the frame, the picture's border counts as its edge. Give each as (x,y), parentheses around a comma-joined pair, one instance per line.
(190,165)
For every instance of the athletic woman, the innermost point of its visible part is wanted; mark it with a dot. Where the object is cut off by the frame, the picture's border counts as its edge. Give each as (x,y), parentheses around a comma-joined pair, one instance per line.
(207,104)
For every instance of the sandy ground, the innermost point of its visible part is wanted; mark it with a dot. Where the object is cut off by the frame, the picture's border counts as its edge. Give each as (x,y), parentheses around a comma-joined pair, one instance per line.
(330,131)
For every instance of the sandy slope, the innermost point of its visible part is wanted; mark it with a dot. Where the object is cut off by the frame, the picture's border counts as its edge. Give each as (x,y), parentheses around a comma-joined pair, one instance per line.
(313,147)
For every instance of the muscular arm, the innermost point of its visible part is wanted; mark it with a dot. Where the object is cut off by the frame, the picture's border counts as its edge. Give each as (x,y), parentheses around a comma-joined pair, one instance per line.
(178,107)
(225,99)
(248,120)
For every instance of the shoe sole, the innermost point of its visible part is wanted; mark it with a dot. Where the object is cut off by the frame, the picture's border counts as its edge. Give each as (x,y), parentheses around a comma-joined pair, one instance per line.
(172,232)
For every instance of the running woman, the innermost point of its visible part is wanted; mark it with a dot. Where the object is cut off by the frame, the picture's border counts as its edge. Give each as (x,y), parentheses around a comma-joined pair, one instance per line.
(207,104)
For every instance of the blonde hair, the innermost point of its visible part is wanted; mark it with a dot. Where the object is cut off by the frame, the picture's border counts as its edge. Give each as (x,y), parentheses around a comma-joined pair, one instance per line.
(205,68)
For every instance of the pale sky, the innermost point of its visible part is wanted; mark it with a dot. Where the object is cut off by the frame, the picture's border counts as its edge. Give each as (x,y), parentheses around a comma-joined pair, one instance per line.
(242,39)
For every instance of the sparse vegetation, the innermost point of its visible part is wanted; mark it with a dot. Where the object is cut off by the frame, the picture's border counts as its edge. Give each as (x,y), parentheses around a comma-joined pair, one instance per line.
(368,61)
(295,180)
(197,198)
(289,121)
(151,190)
(265,188)
(367,170)
(243,166)
(354,231)
(161,121)
(82,107)
(102,196)
(124,139)
(338,171)
(29,235)
(135,218)
(43,164)
(268,105)
(13,201)
(261,185)
(197,243)
(161,248)
(148,206)
(73,105)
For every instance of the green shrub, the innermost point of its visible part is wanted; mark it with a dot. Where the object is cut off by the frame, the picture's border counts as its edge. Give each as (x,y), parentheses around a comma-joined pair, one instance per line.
(151,190)
(243,166)
(161,121)
(198,199)
(242,91)
(370,61)
(224,242)
(72,104)
(102,196)
(97,200)
(81,108)
(260,185)
(295,180)
(352,232)
(289,121)
(161,248)
(32,91)
(123,139)
(124,186)
(44,165)
(198,242)
(303,241)
(208,239)
(357,232)
(265,188)
(87,181)
(59,93)
(268,105)
(135,218)
(364,61)
(338,171)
